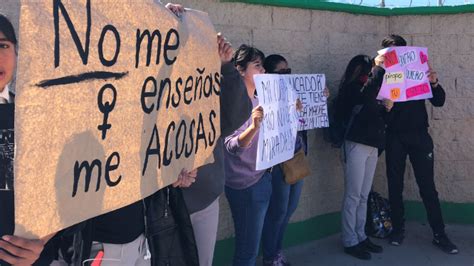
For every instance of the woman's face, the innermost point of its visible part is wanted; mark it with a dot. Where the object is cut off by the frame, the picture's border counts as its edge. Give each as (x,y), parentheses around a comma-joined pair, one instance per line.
(282,68)
(7,61)
(253,68)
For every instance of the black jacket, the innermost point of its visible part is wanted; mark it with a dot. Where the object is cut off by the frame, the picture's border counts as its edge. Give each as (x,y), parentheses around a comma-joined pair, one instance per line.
(368,126)
(168,230)
(412,116)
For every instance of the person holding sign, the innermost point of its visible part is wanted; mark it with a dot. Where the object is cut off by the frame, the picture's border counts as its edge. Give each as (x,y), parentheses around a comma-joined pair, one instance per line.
(407,135)
(247,190)
(363,114)
(137,234)
(13,249)
(202,198)
(285,197)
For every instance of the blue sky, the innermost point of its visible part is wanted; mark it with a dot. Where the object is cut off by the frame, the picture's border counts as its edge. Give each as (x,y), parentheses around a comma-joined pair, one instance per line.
(405,3)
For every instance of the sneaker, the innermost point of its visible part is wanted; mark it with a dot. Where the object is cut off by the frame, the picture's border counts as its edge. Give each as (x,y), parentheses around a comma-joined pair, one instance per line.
(371,247)
(396,238)
(271,263)
(442,241)
(282,259)
(358,251)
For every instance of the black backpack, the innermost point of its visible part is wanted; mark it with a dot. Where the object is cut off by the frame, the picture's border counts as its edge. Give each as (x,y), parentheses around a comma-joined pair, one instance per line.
(378,223)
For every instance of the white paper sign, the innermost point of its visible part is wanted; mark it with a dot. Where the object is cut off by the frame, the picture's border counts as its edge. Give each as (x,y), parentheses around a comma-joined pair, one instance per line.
(277,135)
(309,88)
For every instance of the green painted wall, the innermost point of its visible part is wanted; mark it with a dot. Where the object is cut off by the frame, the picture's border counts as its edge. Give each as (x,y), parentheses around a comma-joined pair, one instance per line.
(356,9)
(329,224)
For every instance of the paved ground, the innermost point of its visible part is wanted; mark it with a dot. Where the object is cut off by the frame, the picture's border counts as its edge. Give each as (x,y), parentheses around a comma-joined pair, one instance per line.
(417,250)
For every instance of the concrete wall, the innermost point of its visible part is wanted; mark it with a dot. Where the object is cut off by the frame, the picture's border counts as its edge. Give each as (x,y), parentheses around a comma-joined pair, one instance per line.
(323,42)
(313,42)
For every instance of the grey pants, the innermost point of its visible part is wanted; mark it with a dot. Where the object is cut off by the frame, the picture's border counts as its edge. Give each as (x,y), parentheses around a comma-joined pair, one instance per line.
(359,170)
(205,224)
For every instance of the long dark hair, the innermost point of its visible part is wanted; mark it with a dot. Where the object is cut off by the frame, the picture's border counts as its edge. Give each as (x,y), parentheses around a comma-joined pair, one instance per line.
(246,54)
(272,61)
(7,29)
(359,66)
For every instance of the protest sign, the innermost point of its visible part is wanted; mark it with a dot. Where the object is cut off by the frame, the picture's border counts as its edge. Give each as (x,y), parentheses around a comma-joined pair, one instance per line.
(310,90)
(406,74)
(113,100)
(277,135)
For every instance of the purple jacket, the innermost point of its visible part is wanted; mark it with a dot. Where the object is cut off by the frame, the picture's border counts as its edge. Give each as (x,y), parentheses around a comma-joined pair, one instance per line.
(240,161)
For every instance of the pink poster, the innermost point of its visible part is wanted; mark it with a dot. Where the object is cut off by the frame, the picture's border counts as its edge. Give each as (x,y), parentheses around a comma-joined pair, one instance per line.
(406,74)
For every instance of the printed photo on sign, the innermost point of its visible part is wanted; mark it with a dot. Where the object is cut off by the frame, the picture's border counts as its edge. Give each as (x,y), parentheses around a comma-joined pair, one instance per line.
(277,134)
(406,74)
(309,88)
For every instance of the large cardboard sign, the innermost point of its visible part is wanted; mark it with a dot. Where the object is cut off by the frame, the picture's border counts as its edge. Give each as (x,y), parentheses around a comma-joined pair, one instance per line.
(277,135)
(309,88)
(406,76)
(114,98)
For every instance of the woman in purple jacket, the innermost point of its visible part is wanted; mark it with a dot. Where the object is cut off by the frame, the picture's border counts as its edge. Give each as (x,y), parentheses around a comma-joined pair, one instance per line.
(247,190)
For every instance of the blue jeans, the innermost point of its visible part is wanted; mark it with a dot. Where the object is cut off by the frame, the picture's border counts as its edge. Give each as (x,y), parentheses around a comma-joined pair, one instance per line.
(248,207)
(283,204)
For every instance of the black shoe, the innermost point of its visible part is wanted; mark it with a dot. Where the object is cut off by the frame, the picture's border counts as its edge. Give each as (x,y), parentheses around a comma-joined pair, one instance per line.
(358,251)
(371,247)
(442,241)
(396,237)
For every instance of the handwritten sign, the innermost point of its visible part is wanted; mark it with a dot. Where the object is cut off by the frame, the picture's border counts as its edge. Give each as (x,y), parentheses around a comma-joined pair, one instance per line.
(310,90)
(277,135)
(406,77)
(113,100)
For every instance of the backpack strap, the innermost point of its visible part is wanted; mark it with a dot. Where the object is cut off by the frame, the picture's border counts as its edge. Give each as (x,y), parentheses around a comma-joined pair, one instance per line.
(355,111)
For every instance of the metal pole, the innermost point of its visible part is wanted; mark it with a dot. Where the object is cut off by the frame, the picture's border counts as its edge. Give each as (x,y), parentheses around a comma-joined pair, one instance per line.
(382,3)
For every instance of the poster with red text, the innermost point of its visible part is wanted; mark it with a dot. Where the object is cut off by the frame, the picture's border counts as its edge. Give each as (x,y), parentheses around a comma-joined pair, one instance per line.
(406,76)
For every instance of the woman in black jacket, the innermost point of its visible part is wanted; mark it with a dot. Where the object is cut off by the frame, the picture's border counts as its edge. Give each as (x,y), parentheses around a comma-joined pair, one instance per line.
(362,114)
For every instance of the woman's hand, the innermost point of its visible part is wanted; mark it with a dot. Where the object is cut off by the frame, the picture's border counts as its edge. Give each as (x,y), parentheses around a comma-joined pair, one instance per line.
(379,60)
(432,76)
(22,251)
(326,92)
(224,48)
(245,138)
(388,104)
(177,9)
(185,178)
(299,105)
(257,116)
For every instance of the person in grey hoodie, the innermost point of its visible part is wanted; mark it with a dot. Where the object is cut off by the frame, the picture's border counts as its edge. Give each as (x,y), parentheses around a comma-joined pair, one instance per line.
(202,198)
